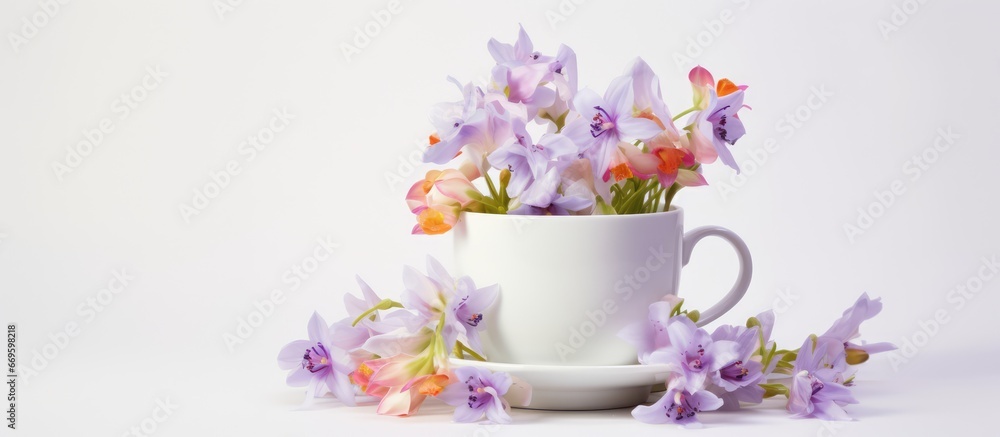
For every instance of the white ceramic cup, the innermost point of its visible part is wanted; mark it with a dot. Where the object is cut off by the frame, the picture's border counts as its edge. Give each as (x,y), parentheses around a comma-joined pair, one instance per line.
(569,284)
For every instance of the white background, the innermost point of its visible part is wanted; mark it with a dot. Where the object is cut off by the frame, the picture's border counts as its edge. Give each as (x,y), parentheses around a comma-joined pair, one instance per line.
(355,120)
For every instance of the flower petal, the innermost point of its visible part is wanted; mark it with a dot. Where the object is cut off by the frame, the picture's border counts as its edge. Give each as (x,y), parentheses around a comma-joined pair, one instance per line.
(290,356)
(319,331)
(638,128)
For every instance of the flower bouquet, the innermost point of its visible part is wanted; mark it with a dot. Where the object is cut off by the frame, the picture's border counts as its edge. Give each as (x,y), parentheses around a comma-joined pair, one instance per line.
(533,144)
(543,146)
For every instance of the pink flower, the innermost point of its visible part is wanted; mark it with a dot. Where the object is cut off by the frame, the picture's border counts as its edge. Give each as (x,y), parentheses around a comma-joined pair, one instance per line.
(406,399)
(441,196)
(669,164)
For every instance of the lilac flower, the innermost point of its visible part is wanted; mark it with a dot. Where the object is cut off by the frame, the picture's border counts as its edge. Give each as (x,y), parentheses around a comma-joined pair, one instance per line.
(524,84)
(478,392)
(527,160)
(716,125)
(678,405)
(739,379)
(521,73)
(605,122)
(693,352)
(456,124)
(315,363)
(755,342)
(648,99)
(396,332)
(522,52)
(846,328)
(545,196)
(817,388)
(565,80)
(560,69)
(478,125)
(438,295)
(650,335)
(344,334)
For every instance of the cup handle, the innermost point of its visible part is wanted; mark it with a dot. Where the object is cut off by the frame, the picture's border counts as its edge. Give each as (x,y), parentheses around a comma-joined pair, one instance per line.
(742,281)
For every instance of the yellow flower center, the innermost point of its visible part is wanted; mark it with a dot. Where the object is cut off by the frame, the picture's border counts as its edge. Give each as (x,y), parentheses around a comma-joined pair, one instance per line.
(432,222)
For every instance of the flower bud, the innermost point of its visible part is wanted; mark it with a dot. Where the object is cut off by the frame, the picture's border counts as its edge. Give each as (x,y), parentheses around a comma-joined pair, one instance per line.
(504,177)
(694,315)
(856,356)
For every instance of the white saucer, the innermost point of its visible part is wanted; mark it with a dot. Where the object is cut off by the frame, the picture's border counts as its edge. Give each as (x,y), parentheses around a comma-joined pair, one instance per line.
(578,387)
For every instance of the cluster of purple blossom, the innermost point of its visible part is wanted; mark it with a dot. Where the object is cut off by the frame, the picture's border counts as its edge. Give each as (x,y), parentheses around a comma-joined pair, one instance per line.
(737,364)
(555,149)
(397,352)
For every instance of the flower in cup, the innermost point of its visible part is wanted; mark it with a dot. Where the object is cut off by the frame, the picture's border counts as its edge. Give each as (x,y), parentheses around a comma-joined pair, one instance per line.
(565,80)
(315,363)
(477,393)
(563,189)
(478,131)
(523,84)
(441,196)
(668,164)
(456,123)
(648,99)
(527,160)
(603,123)
(716,124)
(521,74)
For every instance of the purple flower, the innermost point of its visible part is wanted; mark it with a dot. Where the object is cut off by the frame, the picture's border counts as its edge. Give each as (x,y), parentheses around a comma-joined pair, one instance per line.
(565,80)
(846,328)
(648,336)
(604,122)
(477,392)
(522,52)
(524,84)
(478,125)
(521,74)
(693,353)
(527,160)
(817,388)
(317,364)
(546,195)
(648,99)
(739,379)
(458,301)
(678,405)
(456,123)
(385,329)
(716,125)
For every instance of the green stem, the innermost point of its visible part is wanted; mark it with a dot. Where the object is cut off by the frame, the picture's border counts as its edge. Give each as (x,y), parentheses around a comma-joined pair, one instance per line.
(674,189)
(670,195)
(493,188)
(686,112)
(437,344)
(656,202)
(463,349)
(653,200)
(636,197)
(383,305)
